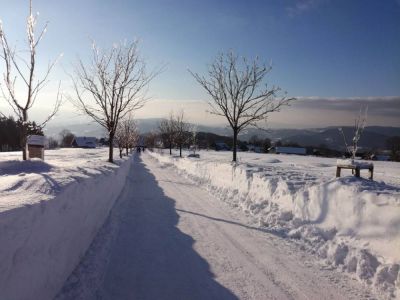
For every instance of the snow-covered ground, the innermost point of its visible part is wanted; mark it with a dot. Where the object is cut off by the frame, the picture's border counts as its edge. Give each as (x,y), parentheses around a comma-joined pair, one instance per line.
(352,224)
(168,238)
(49,214)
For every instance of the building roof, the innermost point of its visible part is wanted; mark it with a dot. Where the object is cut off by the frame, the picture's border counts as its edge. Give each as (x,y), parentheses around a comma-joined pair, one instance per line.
(85,142)
(37,140)
(290,150)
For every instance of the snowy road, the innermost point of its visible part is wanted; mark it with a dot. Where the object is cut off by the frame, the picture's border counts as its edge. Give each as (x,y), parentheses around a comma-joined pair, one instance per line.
(167,238)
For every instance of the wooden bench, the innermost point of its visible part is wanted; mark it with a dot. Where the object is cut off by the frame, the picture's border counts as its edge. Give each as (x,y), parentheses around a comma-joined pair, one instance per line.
(355,168)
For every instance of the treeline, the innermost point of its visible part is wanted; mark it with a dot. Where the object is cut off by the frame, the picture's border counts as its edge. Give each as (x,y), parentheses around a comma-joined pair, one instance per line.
(10,133)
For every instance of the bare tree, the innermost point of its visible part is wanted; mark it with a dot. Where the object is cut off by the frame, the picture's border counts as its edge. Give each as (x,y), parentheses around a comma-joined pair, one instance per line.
(52,143)
(239,92)
(120,139)
(150,140)
(193,139)
(126,135)
(168,132)
(131,133)
(393,144)
(359,125)
(111,86)
(66,137)
(182,131)
(21,72)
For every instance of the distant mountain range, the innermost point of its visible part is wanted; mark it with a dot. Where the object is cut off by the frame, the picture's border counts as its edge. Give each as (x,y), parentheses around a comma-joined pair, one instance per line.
(372,137)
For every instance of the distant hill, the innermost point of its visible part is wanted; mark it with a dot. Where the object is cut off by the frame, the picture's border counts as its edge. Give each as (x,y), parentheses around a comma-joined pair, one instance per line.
(332,138)
(373,136)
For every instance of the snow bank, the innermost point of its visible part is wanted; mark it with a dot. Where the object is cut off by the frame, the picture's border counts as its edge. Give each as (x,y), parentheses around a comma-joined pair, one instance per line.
(352,223)
(49,214)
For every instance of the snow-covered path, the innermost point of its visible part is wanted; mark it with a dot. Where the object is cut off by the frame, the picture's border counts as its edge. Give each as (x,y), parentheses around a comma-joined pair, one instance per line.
(167,238)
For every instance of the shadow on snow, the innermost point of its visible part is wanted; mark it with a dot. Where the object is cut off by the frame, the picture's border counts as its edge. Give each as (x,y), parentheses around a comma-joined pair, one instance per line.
(150,257)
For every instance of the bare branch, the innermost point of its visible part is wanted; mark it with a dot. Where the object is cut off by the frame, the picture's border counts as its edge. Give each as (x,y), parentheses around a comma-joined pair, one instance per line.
(111,86)
(238,93)
(17,67)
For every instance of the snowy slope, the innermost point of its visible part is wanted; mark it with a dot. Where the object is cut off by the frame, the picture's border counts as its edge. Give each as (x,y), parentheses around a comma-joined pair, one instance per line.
(49,214)
(353,224)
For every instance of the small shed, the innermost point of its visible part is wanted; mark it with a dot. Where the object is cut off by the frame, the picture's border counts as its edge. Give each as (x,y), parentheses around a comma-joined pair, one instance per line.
(84,142)
(35,145)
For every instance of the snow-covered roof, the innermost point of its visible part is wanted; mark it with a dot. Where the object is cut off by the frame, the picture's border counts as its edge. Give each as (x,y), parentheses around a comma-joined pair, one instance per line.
(37,140)
(85,142)
(290,150)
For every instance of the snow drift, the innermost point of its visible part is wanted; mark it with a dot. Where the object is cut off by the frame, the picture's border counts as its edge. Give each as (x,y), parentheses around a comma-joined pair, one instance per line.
(49,214)
(352,223)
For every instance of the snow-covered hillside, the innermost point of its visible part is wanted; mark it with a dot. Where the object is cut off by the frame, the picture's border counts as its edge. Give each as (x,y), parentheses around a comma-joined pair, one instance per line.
(353,224)
(49,214)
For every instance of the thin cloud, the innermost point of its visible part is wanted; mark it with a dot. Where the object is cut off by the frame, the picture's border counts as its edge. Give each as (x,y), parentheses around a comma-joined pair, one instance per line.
(381,106)
(303,6)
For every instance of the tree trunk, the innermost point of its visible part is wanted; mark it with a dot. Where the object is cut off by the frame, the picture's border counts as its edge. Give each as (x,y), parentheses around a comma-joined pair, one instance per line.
(127,151)
(180,150)
(111,148)
(170,149)
(235,133)
(24,135)
(120,153)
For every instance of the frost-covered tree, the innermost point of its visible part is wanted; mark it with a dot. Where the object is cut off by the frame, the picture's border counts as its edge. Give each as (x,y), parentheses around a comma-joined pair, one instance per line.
(194,141)
(131,132)
(119,139)
(239,93)
(359,125)
(168,132)
(21,86)
(111,86)
(182,131)
(127,135)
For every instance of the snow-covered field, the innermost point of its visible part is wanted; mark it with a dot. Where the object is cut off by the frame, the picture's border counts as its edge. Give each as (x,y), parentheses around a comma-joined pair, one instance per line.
(353,224)
(49,214)
(51,211)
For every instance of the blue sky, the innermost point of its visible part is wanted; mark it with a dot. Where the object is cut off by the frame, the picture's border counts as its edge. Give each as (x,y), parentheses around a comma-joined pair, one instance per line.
(318,48)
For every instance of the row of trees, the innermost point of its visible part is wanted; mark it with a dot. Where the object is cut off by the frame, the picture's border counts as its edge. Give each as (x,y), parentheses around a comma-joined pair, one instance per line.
(126,135)
(175,131)
(111,87)
(107,89)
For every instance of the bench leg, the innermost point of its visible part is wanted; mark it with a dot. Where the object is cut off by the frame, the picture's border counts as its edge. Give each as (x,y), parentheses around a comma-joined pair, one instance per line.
(338,171)
(357,172)
(371,173)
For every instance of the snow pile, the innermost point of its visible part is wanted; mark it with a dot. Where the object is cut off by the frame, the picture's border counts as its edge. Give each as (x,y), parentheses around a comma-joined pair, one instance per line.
(49,214)
(352,223)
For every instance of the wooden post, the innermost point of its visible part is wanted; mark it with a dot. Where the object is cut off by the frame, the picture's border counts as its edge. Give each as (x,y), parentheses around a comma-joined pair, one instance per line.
(338,171)
(357,171)
(371,172)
